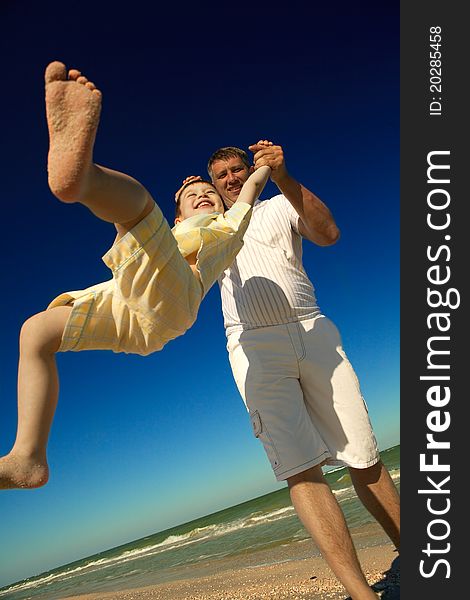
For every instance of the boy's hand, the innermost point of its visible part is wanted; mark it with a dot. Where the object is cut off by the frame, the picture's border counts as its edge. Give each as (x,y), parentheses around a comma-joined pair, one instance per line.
(266,153)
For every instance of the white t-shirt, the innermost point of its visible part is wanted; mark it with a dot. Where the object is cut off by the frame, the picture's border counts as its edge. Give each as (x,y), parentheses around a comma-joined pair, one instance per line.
(267,283)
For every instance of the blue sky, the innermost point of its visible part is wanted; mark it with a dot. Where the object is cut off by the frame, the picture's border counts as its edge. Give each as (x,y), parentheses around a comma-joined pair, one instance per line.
(143,443)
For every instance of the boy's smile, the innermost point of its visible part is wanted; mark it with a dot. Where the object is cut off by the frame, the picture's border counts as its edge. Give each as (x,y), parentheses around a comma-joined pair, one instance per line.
(199,198)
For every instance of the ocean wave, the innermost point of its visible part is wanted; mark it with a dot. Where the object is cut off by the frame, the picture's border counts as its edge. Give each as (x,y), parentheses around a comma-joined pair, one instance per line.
(273,516)
(46,579)
(172,542)
(334,469)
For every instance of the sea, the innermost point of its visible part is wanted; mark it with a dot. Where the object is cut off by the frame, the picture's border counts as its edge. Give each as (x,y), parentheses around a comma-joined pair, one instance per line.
(257,526)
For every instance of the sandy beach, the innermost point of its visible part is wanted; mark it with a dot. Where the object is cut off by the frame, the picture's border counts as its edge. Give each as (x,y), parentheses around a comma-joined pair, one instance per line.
(292,571)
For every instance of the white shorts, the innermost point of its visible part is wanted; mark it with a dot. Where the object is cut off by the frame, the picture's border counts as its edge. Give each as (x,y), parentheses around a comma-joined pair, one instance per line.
(303,396)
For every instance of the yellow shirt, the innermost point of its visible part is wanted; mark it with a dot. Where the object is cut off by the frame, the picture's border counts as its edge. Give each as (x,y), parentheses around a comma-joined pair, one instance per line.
(215,237)
(153,296)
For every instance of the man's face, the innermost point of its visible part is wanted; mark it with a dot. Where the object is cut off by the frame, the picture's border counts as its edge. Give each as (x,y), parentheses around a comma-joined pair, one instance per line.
(228,176)
(199,198)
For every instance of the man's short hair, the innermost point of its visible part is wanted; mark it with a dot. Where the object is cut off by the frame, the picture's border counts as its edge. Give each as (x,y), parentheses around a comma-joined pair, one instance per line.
(225,154)
(181,190)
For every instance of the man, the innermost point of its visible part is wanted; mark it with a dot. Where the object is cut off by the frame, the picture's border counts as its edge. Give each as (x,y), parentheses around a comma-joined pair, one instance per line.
(299,387)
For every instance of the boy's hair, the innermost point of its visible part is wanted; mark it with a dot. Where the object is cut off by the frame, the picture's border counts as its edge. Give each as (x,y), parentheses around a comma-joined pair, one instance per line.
(181,190)
(226,153)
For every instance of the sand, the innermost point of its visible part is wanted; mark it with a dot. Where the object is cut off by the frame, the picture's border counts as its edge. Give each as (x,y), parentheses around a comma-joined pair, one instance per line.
(296,574)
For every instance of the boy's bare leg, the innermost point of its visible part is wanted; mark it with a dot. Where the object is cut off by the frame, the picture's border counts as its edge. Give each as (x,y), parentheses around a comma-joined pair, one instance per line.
(73,106)
(38,387)
(321,515)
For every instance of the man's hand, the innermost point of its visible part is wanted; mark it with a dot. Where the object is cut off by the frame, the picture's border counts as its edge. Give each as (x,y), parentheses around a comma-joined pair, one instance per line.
(185,181)
(316,223)
(266,153)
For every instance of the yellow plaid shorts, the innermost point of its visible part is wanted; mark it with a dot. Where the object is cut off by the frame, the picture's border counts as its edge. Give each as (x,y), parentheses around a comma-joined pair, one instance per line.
(152,298)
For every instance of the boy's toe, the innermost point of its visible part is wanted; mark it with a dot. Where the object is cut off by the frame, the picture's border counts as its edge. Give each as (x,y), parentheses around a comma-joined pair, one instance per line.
(55,71)
(74,74)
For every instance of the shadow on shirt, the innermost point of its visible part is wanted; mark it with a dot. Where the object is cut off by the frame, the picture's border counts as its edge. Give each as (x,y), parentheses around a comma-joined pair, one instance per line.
(260,301)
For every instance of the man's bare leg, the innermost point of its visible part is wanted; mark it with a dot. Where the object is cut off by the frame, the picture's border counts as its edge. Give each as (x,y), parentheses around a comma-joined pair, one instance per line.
(376,490)
(323,518)
(38,387)
(73,106)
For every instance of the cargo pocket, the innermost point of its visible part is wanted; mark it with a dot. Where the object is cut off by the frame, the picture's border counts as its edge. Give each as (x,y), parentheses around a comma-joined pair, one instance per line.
(256,423)
(260,432)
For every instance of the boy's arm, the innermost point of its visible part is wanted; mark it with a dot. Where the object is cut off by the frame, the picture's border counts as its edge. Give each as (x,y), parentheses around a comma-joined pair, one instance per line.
(237,217)
(254,185)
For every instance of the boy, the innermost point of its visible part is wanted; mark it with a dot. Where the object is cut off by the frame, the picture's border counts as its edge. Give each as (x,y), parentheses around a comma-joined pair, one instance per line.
(159,279)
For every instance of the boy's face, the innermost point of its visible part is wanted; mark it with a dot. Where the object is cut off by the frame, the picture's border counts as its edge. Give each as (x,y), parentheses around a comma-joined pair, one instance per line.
(199,198)
(229,176)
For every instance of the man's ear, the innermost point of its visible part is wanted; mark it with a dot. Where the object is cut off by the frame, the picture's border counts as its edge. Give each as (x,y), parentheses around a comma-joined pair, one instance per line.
(251,170)
(178,220)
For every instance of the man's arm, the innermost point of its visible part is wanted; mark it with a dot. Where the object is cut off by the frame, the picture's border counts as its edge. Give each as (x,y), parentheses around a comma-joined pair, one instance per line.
(316,222)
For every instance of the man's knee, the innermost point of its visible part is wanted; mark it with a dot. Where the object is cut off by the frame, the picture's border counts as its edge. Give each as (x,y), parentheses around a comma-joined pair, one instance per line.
(312,475)
(369,474)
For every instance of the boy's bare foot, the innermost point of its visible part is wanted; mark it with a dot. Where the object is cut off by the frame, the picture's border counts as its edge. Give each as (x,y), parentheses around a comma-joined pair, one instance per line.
(20,472)
(73,107)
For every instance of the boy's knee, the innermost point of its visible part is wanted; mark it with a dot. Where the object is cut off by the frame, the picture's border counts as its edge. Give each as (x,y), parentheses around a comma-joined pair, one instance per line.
(30,332)
(37,334)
